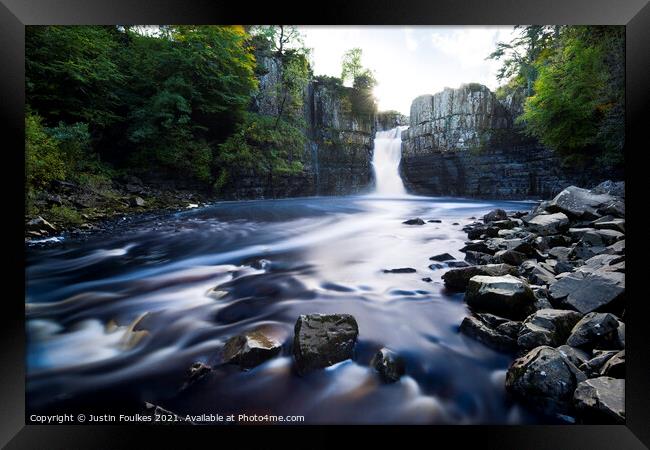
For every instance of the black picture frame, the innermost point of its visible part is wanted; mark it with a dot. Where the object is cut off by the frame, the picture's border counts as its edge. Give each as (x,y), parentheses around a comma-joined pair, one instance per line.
(15,14)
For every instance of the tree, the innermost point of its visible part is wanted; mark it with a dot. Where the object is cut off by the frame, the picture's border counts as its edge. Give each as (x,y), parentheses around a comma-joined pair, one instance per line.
(351,66)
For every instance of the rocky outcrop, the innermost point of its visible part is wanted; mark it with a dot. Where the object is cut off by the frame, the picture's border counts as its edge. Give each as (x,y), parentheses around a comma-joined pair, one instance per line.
(387,120)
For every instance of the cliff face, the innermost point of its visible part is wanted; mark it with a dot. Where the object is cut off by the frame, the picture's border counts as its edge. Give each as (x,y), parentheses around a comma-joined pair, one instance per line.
(461,142)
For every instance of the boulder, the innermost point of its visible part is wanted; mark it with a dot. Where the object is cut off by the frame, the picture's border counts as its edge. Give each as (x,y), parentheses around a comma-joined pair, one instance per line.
(601,400)
(614,188)
(578,203)
(512,257)
(547,327)
(416,221)
(577,356)
(457,264)
(482,329)
(614,208)
(458,278)
(610,223)
(400,270)
(137,202)
(595,330)
(588,291)
(615,366)
(506,296)
(321,340)
(545,379)
(41,225)
(537,273)
(618,248)
(435,221)
(250,349)
(593,366)
(477,245)
(495,215)
(478,258)
(389,365)
(549,223)
(442,257)
(604,262)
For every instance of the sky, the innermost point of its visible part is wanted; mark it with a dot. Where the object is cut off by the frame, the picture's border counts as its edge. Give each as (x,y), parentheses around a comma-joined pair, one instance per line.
(410,61)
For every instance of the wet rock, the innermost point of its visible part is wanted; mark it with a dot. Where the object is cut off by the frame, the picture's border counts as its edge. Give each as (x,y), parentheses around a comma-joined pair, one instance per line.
(476,233)
(595,330)
(400,270)
(321,340)
(41,225)
(494,215)
(559,253)
(547,327)
(506,296)
(250,349)
(511,257)
(549,223)
(579,203)
(615,366)
(601,400)
(598,359)
(434,221)
(504,224)
(457,264)
(427,280)
(614,208)
(545,379)
(196,372)
(136,202)
(416,221)
(436,266)
(458,278)
(442,257)
(478,258)
(480,328)
(588,291)
(577,356)
(478,245)
(389,365)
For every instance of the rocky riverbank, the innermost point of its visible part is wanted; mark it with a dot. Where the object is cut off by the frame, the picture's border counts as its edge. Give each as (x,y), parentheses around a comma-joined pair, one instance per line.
(549,286)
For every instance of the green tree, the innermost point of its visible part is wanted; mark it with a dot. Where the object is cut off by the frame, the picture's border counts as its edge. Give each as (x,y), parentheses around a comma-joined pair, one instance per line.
(351,66)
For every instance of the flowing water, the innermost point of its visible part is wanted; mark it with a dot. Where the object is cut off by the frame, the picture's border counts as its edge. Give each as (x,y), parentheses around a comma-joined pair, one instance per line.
(385,163)
(117,319)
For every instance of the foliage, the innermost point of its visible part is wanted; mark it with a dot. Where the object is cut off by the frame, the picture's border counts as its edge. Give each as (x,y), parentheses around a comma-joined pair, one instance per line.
(45,162)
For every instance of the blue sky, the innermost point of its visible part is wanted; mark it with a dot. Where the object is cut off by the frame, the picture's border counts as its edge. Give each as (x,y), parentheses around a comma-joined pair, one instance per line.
(410,61)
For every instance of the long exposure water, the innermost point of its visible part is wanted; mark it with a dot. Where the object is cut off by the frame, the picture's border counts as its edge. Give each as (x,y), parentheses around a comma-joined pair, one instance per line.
(117,319)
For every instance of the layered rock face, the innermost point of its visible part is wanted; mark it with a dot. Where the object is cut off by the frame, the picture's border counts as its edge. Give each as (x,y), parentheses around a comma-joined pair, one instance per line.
(461,142)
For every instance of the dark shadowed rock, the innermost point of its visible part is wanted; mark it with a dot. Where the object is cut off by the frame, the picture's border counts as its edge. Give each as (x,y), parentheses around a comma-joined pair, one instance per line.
(427,280)
(511,257)
(494,215)
(610,223)
(547,327)
(595,330)
(618,248)
(615,366)
(40,224)
(579,203)
(457,264)
(577,356)
(593,366)
(321,340)
(536,273)
(442,257)
(458,278)
(250,349)
(506,296)
(545,379)
(400,270)
(546,224)
(478,258)
(196,372)
(389,365)
(482,329)
(434,221)
(416,221)
(601,400)
(613,188)
(136,202)
(588,291)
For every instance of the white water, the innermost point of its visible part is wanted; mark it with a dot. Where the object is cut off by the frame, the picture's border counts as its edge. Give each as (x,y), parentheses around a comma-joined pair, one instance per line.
(386,157)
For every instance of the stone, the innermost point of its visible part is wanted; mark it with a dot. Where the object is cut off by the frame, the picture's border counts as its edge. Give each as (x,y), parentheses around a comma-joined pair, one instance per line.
(593,365)
(614,208)
(536,273)
(595,330)
(601,400)
(457,264)
(549,223)
(511,257)
(436,266)
(196,372)
(559,253)
(604,262)
(389,365)
(250,349)
(416,221)
(613,188)
(610,223)
(41,225)
(495,215)
(321,340)
(400,270)
(544,379)
(480,329)
(579,203)
(442,257)
(617,248)
(588,291)
(547,327)
(137,202)
(427,280)
(457,279)
(506,296)
(435,221)
(577,356)
(615,366)
(478,258)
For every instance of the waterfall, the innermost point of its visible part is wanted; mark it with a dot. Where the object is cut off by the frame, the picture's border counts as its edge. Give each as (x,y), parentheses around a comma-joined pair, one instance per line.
(386,157)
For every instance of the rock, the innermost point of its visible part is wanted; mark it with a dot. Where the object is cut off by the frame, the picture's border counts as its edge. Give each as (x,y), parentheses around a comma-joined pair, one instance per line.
(549,223)
(477,245)
(436,266)
(250,349)
(614,188)
(427,280)
(601,400)
(416,221)
(609,223)
(476,232)
(615,366)
(588,291)
(495,215)
(480,329)
(442,257)
(389,365)
(457,264)
(537,273)
(559,253)
(618,248)
(595,330)
(547,327)
(593,366)
(41,225)
(478,258)
(506,296)
(545,379)
(614,208)
(604,262)
(321,340)
(435,221)
(577,356)
(196,372)
(136,202)
(601,238)
(458,278)
(578,203)
(511,257)
(400,270)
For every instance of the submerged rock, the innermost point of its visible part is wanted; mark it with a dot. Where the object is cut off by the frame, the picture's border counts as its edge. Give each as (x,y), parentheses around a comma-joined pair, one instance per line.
(442,257)
(416,221)
(601,400)
(547,327)
(458,278)
(506,296)
(321,340)
(400,270)
(389,364)
(250,349)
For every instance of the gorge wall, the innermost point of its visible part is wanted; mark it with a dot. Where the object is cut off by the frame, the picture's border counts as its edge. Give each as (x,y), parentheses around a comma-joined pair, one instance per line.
(462,142)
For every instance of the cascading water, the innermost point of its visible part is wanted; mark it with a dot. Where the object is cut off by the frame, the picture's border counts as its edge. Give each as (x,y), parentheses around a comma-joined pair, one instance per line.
(386,157)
